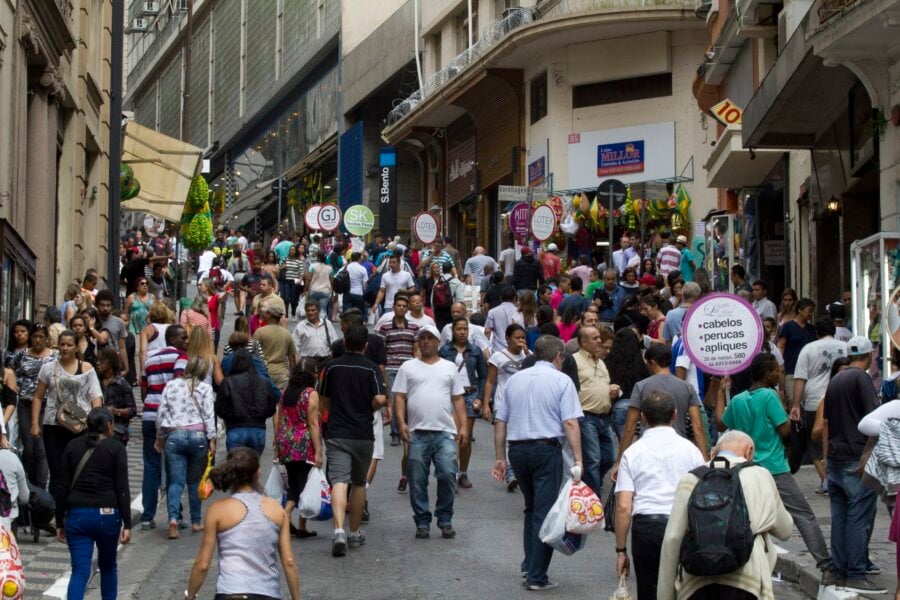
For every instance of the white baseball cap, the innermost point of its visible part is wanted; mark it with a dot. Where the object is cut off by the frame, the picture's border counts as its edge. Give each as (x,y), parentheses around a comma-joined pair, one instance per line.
(430,329)
(552,248)
(859,345)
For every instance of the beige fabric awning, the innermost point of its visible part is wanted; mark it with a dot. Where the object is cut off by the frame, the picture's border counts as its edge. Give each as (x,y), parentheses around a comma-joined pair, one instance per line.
(164,166)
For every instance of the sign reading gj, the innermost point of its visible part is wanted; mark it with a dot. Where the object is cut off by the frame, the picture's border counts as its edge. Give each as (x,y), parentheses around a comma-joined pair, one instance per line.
(620,158)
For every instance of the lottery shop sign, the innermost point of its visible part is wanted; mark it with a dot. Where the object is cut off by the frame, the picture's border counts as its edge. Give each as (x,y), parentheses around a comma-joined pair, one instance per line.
(722,333)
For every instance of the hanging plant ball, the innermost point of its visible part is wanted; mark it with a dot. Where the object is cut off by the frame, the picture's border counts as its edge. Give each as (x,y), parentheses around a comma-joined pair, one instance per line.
(198,193)
(126,176)
(134,188)
(199,233)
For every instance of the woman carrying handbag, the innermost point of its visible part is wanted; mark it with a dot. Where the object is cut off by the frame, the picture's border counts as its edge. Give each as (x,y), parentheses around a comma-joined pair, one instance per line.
(186,432)
(67,389)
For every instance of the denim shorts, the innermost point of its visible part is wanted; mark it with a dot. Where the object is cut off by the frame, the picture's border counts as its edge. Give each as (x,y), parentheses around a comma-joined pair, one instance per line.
(470,400)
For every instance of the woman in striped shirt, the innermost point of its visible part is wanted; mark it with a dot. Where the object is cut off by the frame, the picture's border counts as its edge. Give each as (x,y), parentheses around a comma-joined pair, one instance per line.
(293,268)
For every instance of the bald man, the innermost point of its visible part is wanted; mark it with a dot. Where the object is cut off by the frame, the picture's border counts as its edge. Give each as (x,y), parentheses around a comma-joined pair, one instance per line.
(474,270)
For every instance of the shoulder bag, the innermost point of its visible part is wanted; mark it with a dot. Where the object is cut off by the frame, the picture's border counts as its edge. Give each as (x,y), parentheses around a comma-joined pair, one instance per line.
(69,414)
(80,467)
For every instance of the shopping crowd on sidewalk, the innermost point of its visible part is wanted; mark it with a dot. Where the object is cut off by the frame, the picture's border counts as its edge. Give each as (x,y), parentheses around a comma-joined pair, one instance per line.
(347,344)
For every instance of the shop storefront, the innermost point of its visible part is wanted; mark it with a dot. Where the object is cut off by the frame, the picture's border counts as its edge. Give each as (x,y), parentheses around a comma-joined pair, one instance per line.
(461,190)
(16,281)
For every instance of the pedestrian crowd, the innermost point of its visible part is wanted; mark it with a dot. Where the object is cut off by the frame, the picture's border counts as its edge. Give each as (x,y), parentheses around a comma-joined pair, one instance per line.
(579,366)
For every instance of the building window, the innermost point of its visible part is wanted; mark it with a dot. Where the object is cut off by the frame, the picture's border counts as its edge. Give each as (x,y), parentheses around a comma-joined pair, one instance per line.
(502,5)
(622,90)
(538,97)
(462,30)
(436,48)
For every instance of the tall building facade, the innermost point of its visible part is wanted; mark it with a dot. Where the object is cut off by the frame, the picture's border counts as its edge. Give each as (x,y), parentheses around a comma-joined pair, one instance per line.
(54,113)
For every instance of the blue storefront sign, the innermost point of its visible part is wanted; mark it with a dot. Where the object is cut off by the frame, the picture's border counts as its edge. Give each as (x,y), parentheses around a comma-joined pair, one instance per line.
(619,158)
(537,171)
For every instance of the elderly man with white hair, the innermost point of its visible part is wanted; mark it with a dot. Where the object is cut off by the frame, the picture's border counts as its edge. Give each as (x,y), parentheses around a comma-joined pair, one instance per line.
(768,517)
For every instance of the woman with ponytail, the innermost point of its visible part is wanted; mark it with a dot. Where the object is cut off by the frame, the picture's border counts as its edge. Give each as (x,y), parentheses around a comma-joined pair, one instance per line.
(186,432)
(93,505)
(250,530)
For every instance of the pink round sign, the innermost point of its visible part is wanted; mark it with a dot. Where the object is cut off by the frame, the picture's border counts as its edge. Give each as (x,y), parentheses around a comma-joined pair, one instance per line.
(519,221)
(722,334)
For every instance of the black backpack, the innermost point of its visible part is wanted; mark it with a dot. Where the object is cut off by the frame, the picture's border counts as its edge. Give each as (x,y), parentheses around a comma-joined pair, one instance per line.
(719,538)
(341,282)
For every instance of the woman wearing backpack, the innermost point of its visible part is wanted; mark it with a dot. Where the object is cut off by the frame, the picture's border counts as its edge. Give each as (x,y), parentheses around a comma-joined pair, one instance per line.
(439,293)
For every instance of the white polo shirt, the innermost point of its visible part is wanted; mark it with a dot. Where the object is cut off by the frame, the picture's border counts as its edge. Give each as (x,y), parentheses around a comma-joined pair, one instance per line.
(652,468)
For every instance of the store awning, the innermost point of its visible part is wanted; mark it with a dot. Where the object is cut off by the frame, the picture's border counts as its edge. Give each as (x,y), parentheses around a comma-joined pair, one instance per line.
(164,166)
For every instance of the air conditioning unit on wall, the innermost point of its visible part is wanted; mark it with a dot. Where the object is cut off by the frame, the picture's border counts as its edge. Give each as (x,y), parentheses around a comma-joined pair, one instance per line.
(149,8)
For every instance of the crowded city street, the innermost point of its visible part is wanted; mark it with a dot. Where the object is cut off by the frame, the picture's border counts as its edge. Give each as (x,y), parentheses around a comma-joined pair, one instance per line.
(449,299)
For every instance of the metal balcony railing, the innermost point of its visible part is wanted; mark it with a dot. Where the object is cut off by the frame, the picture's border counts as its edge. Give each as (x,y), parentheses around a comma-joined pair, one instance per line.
(513,19)
(829,9)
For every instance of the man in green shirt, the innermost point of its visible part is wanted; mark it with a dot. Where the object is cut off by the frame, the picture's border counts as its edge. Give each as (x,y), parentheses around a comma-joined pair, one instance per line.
(758,412)
(596,282)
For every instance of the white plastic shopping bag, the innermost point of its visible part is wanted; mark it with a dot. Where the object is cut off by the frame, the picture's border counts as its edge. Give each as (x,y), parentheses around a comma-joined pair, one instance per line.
(274,485)
(553,530)
(622,592)
(584,511)
(315,499)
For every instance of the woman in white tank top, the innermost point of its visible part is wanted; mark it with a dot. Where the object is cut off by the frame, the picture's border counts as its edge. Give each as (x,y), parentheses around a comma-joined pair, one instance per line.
(153,335)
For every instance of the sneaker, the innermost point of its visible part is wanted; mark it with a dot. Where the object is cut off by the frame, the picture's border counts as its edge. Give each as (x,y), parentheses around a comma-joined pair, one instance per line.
(395,440)
(147,525)
(355,541)
(447,531)
(512,484)
(542,587)
(822,490)
(339,544)
(828,578)
(182,524)
(872,569)
(422,533)
(464,482)
(401,487)
(864,586)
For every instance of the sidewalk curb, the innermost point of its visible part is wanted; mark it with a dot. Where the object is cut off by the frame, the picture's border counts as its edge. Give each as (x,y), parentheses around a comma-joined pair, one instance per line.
(807,579)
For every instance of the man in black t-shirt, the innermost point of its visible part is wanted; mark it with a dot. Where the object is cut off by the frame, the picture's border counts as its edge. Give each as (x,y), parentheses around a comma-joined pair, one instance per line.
(352,388)
(850,396)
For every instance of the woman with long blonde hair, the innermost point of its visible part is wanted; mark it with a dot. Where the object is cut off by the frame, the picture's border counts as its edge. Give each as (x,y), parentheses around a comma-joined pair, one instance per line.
(199,346)
(153,335)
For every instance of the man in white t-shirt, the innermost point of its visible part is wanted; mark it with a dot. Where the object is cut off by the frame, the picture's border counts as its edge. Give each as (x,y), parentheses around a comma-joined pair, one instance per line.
(205,263)
(359,277)
(429,403)
(474,269)
(393,281)
(811,377)
(508,259)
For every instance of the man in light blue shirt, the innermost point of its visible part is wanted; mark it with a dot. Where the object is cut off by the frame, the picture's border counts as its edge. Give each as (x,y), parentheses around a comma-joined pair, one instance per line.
(540,406)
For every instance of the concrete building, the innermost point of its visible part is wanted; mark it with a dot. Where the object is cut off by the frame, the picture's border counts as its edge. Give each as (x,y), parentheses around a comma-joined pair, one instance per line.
(536,92)
(54,113)
(261,88)
(817,82)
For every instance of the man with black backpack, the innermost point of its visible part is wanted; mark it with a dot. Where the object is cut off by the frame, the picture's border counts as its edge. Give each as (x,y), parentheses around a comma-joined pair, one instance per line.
(645,489)
(701,559)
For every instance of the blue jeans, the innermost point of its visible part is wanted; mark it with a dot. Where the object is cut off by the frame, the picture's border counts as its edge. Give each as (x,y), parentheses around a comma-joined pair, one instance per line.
(323,299)
(152,479)
(185,460)
(852,510)
(539,470)
(425,448)
(619,414)
(355,301)
(597,449)
(249,437)
(84,528)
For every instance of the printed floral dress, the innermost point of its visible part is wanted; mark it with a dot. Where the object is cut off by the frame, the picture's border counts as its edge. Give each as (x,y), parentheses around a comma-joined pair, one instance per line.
(292,440)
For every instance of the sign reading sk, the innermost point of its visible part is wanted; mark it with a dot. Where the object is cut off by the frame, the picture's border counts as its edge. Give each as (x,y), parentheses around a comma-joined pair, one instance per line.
(624,157)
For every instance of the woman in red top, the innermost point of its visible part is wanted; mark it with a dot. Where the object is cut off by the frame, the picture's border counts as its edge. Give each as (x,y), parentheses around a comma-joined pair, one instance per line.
(650,309)
(216,306)
(298,436)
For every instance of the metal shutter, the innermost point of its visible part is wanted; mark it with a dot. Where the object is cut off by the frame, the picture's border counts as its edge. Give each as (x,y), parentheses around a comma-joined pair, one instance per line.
(198,103)
(170,98)
(227,68)
(260,69)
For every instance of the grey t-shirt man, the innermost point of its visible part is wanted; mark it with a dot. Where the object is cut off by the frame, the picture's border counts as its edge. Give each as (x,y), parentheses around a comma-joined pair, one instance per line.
(116,328)
(475,267)
(814,367)
(682,392)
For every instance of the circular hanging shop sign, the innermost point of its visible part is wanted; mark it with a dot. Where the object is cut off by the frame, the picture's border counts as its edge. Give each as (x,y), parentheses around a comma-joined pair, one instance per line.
(359,220)
(722,333)
(329,217)
(426,228)
(518,219)
(311,217)
(543,222)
